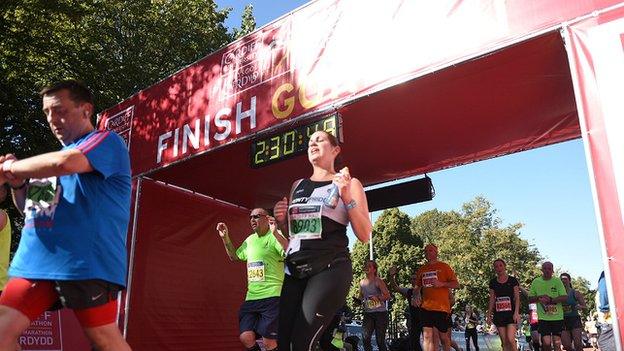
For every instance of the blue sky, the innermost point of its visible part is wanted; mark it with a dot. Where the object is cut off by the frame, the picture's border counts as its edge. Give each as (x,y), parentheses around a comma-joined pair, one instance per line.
(546,189)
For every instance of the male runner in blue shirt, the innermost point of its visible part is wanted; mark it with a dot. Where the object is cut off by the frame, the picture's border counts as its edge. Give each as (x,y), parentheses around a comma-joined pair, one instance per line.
(76,204)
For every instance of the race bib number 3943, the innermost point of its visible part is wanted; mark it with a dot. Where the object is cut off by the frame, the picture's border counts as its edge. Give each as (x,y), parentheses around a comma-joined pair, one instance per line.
(304,221)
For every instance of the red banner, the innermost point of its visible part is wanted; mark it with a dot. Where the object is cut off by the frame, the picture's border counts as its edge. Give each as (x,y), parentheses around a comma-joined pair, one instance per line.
(44,333)
(55,331)
(325,54)
(597,63)
(185,292)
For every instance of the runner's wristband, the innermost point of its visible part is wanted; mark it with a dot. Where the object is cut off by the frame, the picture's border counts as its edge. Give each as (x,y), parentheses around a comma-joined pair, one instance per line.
(351,204)
(6,169)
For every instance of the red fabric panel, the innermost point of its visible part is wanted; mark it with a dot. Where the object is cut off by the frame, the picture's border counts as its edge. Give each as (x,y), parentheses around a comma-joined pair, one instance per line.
(73,336)
(122,298)
(516,99)
(185,292)
(597,51)
(285,69)
(55,330)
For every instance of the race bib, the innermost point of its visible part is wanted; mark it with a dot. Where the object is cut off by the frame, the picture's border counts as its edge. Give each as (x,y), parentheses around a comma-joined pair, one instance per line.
(255,271)
(503,304)
(429,278)
(304,221)
(533,313)
(42,197)
(550,309)
(370,304)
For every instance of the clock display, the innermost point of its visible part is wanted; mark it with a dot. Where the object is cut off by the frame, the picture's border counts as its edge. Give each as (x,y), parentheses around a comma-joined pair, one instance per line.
(292,142)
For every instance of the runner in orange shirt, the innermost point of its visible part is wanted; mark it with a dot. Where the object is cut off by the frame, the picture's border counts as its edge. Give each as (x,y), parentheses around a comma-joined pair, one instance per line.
(435,278)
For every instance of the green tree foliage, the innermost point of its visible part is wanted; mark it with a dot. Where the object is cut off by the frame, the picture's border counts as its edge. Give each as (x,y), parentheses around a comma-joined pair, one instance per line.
(430,225)
(583,286)
(468,240)
(248,23)
(116,46)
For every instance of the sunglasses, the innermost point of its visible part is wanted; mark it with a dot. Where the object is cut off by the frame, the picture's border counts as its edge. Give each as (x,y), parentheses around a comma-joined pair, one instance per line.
(256,216)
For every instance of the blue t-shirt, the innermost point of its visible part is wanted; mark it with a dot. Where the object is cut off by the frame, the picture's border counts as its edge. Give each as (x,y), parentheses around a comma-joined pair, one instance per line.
(603,298)
(76,225)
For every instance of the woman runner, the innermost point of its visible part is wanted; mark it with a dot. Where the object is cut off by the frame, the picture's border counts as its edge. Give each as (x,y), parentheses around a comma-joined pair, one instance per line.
(504,306)
(318,266)
(572,325)
(373,295)
(470,333)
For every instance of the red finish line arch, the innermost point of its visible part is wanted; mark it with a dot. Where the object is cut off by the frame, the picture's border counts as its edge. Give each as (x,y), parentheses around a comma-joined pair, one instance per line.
(444,84)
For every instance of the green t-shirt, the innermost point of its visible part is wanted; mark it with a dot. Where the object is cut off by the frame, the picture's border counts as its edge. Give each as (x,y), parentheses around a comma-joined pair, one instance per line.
(526,331)
(552,287)
(265,265)
(5,246)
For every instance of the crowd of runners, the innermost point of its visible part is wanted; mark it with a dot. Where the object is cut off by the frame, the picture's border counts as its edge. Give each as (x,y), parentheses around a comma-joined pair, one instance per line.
(308,299)
(553,321)
(72,253)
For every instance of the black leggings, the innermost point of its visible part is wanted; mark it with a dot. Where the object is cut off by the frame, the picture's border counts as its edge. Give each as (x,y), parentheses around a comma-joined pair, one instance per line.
(308,305)
(375,322)
(415,329)
(471,334)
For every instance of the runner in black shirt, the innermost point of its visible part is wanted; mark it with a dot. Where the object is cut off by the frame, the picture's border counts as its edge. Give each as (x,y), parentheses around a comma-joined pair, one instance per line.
(315,215)
(504,305)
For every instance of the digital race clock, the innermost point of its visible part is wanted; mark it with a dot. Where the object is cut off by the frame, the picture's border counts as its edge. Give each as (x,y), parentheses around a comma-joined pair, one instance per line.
(291,142)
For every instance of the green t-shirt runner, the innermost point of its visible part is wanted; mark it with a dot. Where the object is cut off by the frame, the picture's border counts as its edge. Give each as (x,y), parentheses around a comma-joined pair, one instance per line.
(265,265)
(552,287)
